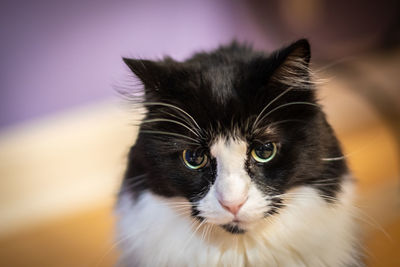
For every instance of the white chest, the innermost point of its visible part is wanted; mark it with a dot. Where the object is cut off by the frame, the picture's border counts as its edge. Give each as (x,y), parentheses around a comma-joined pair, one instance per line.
(309,233)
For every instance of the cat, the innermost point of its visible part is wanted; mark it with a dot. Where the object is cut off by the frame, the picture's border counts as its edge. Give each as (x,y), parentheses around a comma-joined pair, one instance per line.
(235,164)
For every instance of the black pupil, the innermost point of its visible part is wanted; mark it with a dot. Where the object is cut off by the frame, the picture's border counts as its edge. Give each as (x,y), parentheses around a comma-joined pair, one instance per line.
(265,151)
(194,158)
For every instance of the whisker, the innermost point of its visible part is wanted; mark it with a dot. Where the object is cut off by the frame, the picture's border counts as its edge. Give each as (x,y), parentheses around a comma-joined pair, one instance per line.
(294,195)
(369,220)
(174,107)
(285,121)
(204,232)
(182,205)
(271,188)
(177,208)
(328,179)
(196,142)
(289,104)
(132,182)
(354,151)
(194,232)
(212,228)
(355,211)
(335,158)
(269,104)
(335,63)
(172,121)
(183,214)
(137,176)
(183,208)
(310,197)
(286,205)
(133,185)
(177,205)
(208,233)
(184,119)
(323,184)
(112,247)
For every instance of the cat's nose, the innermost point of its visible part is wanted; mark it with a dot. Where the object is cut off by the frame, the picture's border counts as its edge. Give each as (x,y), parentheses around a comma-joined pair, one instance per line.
(232,207)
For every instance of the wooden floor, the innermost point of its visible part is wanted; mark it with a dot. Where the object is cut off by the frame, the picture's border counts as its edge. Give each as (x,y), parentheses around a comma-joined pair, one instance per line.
(86,238)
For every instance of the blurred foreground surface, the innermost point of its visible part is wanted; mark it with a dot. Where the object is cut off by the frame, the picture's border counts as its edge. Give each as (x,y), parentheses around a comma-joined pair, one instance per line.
(62,174)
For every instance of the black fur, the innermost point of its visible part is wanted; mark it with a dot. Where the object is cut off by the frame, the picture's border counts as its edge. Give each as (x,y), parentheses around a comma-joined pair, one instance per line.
(224,91)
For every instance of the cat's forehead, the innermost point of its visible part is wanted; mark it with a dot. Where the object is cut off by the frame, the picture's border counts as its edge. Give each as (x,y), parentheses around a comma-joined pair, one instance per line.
(225,146)
(235,135)
(220,81)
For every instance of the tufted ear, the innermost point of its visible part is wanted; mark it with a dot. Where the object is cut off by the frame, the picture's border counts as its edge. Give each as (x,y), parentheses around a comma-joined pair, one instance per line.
(157,76)
(292,64)
(151,73)
(299,50)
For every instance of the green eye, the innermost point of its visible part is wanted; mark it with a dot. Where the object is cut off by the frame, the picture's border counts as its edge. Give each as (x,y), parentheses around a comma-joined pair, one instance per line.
(194,159)
(264,152)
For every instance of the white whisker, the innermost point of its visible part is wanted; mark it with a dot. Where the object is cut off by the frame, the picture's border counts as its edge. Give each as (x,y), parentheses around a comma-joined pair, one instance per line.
(171,121)
(289,104)
(194,232)
(269,104)
(196,142)
(285,121)
(300,195)
(174,107)
(185,120)
(333,159)
(324,184)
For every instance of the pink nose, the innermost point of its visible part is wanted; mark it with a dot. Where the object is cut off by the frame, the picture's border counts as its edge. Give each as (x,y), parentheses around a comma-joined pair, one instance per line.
(232,207)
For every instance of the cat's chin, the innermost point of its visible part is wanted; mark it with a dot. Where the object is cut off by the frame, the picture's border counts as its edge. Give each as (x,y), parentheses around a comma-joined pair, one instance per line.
(233,228)
(244,226)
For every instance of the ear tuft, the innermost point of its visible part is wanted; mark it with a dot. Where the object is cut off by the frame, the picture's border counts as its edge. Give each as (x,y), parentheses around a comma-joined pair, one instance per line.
(299,50)
(145,70)
(153,74)
(293,65)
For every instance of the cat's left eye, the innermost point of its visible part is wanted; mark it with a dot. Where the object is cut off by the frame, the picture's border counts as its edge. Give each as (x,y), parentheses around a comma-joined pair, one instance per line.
(194,159)
(264,152)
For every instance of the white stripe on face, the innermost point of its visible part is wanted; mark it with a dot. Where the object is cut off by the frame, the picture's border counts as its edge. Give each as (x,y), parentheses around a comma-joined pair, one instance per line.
(233,197)
(232,181)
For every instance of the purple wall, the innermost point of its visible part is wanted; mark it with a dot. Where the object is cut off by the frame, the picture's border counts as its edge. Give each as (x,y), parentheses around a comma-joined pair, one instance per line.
(58,54)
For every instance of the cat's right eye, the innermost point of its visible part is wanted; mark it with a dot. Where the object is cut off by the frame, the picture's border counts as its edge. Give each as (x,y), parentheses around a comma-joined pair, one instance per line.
(194,159)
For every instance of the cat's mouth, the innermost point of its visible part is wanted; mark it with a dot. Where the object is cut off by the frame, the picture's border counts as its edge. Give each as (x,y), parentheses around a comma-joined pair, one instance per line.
(233,228)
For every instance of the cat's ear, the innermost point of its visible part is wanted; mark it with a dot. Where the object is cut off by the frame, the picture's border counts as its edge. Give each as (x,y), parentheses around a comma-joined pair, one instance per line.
(292,64)
(149,72)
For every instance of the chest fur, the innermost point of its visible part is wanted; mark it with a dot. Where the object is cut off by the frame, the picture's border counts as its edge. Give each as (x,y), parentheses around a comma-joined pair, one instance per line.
(313,233)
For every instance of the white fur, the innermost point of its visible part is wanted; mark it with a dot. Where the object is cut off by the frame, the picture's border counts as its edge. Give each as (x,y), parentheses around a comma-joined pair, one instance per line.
(232,181)
(308,231)
(232,186)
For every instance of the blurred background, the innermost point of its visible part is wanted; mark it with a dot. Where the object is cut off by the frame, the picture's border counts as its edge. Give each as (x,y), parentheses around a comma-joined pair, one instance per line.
(65,131)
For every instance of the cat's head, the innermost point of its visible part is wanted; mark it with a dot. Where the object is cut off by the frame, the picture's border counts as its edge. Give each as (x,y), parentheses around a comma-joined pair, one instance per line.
(232,131)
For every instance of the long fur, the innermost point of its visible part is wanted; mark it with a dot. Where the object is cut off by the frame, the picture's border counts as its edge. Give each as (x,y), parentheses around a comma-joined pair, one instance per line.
(234,210)
(308,232)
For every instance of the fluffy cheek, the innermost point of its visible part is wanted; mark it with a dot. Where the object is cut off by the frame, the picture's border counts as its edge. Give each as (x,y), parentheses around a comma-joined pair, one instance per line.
(252,210)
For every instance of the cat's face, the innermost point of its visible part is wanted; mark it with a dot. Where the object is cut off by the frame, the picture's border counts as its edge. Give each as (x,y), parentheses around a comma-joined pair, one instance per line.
(232,132)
